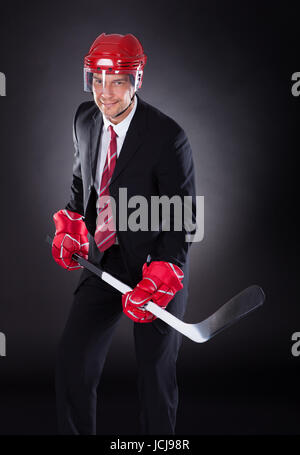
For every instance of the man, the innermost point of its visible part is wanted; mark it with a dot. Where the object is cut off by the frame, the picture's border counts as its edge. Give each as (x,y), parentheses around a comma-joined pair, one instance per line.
(122,143)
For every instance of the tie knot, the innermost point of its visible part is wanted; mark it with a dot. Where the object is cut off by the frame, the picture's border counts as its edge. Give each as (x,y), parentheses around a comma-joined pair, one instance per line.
(113,134)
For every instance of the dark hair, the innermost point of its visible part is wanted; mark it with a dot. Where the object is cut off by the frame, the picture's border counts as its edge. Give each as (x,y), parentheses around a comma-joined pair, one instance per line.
(132,79)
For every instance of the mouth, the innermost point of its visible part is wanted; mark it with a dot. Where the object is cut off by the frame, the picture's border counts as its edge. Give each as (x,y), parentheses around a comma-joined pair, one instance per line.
(108,104)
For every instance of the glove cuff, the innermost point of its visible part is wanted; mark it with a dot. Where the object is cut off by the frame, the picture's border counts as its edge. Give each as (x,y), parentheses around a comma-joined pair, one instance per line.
(166,272)
(70,222)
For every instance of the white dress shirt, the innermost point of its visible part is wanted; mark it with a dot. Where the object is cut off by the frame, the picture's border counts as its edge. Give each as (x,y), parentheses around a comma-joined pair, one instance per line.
(121,130)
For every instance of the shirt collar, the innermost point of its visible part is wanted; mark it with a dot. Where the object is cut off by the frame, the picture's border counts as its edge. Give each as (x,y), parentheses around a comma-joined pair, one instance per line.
(122,127)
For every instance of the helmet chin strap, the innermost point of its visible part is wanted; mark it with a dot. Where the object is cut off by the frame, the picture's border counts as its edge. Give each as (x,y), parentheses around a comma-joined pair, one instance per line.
(122,112)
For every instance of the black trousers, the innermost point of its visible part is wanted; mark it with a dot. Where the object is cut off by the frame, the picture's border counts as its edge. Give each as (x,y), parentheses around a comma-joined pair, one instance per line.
(95,313)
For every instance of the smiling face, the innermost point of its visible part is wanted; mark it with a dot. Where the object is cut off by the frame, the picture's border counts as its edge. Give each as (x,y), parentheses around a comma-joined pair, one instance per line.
(112,94)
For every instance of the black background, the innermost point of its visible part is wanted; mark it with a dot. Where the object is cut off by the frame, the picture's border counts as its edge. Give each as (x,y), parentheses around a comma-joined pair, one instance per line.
(223,71)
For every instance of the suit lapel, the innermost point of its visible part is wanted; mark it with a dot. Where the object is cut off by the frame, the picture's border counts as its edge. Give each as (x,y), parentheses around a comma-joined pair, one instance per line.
(95,133)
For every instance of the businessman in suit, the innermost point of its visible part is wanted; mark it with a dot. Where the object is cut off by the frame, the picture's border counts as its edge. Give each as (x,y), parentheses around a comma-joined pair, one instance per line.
(123,146)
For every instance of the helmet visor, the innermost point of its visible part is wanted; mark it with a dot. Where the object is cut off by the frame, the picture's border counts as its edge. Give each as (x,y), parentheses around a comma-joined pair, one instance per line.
(104,79)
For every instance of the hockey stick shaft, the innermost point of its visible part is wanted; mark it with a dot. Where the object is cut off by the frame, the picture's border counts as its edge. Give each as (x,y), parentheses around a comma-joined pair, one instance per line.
(123,288)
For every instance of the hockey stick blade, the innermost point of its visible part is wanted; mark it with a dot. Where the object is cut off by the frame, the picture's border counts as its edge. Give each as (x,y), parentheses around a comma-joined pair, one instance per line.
(229,313)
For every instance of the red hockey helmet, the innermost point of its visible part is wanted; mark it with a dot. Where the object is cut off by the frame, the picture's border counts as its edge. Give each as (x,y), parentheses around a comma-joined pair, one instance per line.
(115,54)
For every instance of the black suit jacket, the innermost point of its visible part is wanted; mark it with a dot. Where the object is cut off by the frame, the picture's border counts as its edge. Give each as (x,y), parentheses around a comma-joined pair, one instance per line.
(155,160)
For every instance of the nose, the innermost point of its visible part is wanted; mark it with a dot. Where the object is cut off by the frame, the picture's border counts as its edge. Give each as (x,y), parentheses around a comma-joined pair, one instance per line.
(106,91)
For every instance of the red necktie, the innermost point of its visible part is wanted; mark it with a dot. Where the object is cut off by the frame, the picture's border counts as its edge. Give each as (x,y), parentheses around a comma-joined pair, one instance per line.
(105,234)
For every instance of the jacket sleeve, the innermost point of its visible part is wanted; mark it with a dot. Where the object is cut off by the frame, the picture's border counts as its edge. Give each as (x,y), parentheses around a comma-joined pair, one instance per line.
(75,203)
(176,177)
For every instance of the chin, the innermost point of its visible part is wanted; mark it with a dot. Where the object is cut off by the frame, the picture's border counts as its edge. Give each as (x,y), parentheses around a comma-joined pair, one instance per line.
(114,111)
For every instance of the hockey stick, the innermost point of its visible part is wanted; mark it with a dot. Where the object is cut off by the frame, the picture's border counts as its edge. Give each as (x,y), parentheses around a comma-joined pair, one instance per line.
(233,310)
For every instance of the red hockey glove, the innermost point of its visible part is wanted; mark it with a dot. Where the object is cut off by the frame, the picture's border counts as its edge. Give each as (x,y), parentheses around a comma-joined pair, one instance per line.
(70,237)
(161,280)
